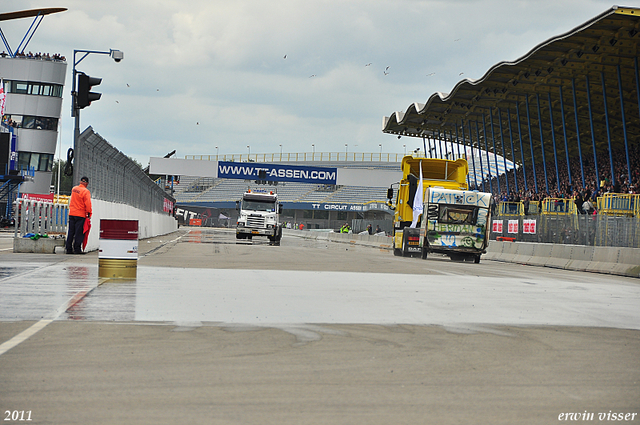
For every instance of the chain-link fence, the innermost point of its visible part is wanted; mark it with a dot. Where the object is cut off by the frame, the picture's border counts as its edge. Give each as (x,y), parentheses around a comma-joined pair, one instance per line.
(575,229)
(113,177)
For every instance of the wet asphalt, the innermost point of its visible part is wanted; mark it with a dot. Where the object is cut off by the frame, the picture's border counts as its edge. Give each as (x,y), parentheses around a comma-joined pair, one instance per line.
(218,331)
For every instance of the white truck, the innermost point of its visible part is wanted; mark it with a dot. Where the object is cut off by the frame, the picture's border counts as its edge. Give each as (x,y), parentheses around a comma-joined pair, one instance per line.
(259,215)
(455,223)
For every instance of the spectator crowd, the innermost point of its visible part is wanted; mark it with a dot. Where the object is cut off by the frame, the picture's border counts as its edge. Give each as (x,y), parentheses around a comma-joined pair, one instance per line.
(569,186)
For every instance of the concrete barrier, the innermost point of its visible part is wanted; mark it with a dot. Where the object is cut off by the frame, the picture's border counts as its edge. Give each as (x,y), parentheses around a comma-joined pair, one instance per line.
(39,246)
(598,259)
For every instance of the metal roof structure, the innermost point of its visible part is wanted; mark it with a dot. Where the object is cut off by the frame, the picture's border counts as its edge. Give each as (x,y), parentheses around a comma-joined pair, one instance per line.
(579,89)
(37,15)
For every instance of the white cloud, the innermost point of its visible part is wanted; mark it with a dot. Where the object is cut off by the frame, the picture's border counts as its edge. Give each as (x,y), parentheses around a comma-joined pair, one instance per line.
(221,64)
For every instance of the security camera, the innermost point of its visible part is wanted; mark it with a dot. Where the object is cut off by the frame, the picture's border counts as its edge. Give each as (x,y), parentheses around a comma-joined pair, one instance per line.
(117,55)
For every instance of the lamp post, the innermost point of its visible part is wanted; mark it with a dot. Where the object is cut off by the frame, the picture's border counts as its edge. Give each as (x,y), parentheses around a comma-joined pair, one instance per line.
(216,153)
(249,149)
(405,149)
(281,151)
(117,56)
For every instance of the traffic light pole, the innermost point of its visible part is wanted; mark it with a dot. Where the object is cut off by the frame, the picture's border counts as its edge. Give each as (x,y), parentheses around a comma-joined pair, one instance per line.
(117,55)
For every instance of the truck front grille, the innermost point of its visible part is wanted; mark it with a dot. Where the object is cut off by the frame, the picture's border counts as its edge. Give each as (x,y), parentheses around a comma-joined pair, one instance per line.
(257,221)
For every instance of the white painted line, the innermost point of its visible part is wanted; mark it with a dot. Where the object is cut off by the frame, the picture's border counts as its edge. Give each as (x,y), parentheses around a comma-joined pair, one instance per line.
(36,327)
(24,335)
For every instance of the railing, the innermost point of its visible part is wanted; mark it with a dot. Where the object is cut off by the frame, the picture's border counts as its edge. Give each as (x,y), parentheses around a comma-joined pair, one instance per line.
(304,156)
(558,206)
(611,204)
(40,217)
(618,204)
(510,208)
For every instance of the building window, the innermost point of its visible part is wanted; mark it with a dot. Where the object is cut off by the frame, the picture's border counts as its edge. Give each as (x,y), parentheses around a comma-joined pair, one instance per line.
(37,161)
(322,215)
(30,122)
(38,89)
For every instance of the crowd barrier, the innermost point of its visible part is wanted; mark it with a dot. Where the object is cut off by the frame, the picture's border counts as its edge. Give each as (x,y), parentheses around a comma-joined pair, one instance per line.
(609,204)
(39,226)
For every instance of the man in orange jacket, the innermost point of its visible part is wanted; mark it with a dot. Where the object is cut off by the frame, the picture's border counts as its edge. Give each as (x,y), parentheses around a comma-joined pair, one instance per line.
(79,210)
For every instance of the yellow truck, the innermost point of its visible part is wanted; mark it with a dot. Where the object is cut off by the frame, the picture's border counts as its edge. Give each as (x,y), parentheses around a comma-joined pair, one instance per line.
(455,223)
(440,173)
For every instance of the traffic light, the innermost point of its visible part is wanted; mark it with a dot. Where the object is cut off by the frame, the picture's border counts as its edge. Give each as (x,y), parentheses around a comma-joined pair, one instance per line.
(84,95)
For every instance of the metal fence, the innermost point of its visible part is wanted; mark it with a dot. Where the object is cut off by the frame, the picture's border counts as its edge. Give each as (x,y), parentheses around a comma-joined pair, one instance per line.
(580,229)
(113,177)
(306,156)
(40,217)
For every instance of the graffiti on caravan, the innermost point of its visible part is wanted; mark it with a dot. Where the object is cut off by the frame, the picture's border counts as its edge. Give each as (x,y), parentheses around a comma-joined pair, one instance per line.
(459,197)
(277,172)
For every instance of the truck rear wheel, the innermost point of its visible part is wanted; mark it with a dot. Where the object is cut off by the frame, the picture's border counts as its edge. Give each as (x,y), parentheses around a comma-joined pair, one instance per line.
(476,259)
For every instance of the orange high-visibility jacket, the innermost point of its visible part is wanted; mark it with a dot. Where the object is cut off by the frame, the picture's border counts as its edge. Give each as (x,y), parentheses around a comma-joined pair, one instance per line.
(80,202)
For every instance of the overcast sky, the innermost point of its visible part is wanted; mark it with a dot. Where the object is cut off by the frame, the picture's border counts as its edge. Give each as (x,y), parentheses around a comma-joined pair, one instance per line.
(204,73)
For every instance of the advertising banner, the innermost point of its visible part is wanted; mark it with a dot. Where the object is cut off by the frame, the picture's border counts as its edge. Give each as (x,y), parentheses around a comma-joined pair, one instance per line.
(529,227)
(37,197)
(512,226)
(277,172)
(496,226)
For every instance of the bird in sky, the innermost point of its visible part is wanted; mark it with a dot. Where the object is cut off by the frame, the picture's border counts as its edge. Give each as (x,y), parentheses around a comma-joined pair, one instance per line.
(311,76)
(128,85)
(461,73)
(385,71)
(429,75)
(285,56)
(457,39)
(369,64)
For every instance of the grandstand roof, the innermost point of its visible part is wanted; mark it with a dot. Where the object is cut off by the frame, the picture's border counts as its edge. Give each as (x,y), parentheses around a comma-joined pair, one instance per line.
(600,51)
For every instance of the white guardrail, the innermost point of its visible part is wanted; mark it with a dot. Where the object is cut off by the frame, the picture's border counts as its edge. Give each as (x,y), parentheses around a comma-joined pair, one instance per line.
(40,217)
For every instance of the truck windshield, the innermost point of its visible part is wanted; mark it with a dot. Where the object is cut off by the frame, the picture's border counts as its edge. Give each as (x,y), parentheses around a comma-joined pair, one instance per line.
(457,214)
(259,206)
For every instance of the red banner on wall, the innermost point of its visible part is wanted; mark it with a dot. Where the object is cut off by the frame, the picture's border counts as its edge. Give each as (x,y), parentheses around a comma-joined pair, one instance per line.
(37,197)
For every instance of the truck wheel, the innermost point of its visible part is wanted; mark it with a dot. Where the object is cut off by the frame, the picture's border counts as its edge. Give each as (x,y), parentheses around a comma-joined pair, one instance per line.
(396,251)
(476,259)
(239,236)
(424,254)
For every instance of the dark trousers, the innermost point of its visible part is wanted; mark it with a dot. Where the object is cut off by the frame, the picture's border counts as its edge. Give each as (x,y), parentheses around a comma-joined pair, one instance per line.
(75,236)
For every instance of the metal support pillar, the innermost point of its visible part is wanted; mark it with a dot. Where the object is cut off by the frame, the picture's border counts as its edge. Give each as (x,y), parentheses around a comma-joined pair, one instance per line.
(513,152)
(575,111)
(524,171)
(553,140)
(473,156)
(504,155)
(465,151)
(544,160)
(458,142)
(624,124)
(593,135)
(533,161)
(495,152)
(606,120)
(486,151)
(564,133)
(473,162)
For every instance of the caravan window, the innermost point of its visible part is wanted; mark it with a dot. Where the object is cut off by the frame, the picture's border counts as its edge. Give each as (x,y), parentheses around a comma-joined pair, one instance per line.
(457,214)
